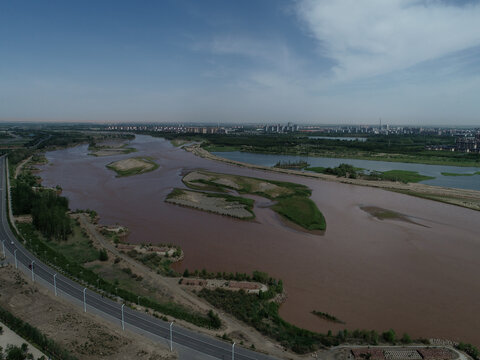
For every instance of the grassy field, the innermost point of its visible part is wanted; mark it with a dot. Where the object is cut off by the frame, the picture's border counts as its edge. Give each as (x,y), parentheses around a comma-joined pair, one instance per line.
(391,175)
(78,247)
(133,166)
(292,199)
(404,176)
(317,169)
(155,261)
(125,279)
(302,211)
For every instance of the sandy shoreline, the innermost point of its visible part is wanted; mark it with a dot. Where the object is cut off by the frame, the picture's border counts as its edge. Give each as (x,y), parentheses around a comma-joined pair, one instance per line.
(460,197)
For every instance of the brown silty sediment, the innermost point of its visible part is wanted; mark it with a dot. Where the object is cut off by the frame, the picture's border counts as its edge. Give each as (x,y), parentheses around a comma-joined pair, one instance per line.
(373,274)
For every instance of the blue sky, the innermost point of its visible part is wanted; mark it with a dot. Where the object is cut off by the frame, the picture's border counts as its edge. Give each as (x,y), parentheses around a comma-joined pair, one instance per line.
(305,61)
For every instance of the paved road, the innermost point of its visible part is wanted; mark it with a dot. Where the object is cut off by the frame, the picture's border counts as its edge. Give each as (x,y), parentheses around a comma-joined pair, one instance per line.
(189,344)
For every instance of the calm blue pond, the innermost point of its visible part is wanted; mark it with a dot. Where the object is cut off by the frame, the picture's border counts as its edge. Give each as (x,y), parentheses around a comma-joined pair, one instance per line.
(461,182)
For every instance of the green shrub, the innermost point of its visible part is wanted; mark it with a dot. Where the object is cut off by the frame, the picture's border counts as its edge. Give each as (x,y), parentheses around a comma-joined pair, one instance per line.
(102,255)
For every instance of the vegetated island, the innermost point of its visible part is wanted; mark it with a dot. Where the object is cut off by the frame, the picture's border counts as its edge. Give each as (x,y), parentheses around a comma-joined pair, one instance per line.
(292,200)
(133,166)
(115,148)
(327,317)
(459,174)
(223,204)
(349,171)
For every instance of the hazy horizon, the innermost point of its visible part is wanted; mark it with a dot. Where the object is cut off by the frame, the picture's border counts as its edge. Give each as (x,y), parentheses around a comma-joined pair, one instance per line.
(325,62)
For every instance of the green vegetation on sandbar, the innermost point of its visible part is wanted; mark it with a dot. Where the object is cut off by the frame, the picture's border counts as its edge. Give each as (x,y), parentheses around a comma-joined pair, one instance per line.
(100,150)
(382,214)
(404,176)
(292,200)
(133,166)
(327,316)
(458,174)
(302,211)
(349,171)
(317,169)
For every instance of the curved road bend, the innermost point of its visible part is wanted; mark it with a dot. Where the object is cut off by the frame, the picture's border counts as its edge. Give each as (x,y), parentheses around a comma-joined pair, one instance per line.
(189,344)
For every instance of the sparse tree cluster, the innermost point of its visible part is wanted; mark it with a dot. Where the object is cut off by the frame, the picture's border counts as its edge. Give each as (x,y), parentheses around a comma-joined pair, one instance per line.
(48,209)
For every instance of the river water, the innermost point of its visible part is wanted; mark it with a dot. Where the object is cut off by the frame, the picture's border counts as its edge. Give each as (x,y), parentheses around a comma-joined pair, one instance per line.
(369,273)
(460,182)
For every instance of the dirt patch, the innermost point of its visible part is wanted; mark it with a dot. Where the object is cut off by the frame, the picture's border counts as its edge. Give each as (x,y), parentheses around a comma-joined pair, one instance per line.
(205,202)
(247,286)
(196,175)
(132,166)
(25,219)
(129,164)
(227,182)
(109,148)
(84,335)
(236,182)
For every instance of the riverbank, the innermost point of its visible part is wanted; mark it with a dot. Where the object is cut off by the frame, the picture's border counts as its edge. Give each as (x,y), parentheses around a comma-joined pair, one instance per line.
(460,197)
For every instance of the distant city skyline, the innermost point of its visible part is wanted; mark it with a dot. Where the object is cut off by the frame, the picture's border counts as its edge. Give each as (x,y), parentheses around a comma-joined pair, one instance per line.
(326,62)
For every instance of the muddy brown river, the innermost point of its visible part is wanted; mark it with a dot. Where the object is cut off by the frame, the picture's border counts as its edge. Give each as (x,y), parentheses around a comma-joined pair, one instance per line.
(372,274)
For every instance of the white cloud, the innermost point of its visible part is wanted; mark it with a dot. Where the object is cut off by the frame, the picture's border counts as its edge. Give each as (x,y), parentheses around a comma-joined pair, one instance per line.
(264,53)
(373,37)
